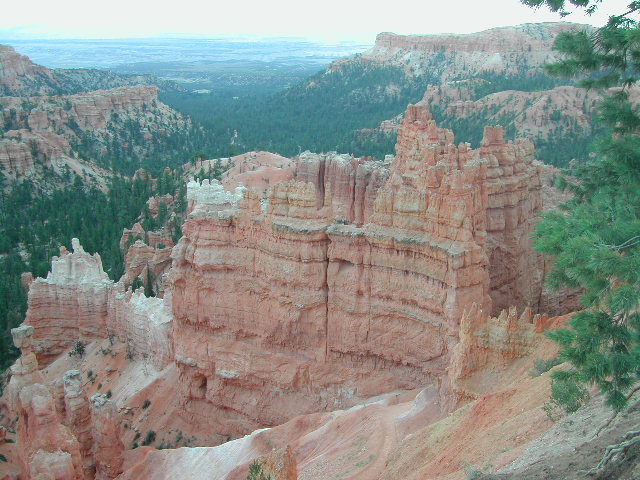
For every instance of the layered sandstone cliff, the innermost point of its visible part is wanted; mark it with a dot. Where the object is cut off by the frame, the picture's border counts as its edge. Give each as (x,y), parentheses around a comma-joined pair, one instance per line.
(78,303)
(504,51)
(70,305)
(19,76)
(346,282)
(355,267)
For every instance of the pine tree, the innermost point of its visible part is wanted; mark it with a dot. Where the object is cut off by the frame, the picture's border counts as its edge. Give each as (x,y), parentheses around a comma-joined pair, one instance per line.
(595,237)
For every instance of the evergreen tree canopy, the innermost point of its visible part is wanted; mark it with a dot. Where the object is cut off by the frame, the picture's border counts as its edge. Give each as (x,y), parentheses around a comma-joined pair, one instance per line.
(595,237)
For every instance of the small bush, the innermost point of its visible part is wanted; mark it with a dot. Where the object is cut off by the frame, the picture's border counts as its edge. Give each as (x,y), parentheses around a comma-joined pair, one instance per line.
(149,438)
(77,350)
(130,353)
(256,473)
(541,366)
(108,394)
(146,404)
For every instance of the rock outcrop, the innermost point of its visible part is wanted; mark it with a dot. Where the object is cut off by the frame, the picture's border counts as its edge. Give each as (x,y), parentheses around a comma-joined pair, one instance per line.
(78,303)
(143,323)
(19,76)
(70,305)
(279,464)
(345,186)
(502,50)
(147,263)
(346,282)
(47,446)
(107,447)
(355,270)
(77,417)
(257,170)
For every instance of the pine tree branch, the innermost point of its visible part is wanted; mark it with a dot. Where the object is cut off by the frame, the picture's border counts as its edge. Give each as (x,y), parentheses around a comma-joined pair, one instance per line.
(626,244)
(630,439)
(615,414)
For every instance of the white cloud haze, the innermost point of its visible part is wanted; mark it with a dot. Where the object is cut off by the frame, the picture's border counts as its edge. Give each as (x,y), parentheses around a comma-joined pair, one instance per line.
(326,19)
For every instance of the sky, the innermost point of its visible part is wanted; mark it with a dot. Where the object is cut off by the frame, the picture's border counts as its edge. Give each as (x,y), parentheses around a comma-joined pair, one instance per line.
(328,20)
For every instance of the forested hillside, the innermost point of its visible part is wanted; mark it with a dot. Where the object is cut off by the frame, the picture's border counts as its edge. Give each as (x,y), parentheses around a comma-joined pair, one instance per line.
(67,165)
(342,107)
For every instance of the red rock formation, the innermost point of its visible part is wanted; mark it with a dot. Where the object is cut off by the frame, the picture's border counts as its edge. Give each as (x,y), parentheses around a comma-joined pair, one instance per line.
(275,309)
(144,262)
(78,303)
(46,445)
(154,202)
(488,344)
(257,170)
(346,186)
(403,280)
(77,417)
(107,448)
(384,298)
(70,305)
(514,188)
(280,465)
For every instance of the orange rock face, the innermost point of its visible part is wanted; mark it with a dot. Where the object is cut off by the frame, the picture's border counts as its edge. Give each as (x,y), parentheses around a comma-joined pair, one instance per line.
(280,465)
(78,303)
(70,305)
(107,447)
(47,446)
(346,187)
(147,263)
(346,282)
(257,170)
(351,271)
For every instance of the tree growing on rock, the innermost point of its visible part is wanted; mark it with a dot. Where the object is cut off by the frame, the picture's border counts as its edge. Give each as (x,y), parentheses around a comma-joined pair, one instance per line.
(595,237)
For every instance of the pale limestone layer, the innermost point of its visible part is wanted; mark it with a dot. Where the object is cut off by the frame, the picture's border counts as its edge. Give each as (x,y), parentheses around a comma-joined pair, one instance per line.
(143,323)
(502,50)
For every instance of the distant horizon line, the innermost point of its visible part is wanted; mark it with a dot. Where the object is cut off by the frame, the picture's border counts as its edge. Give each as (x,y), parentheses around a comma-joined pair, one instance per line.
(13,34)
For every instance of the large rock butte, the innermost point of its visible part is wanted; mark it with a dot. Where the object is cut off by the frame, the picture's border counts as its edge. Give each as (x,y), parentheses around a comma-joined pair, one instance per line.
(346,281)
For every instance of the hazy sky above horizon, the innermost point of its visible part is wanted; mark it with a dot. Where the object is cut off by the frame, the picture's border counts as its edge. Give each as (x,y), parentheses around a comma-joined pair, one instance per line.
(329,20)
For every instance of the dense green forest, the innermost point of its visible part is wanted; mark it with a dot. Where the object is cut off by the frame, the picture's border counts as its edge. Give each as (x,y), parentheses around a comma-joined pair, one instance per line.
(325,112)
(34,224)
(320,114)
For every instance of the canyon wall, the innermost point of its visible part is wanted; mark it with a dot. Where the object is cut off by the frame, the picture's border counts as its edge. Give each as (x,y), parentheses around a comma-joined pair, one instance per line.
(70,305)
(506,51)
(353,270)
(19,76)
(345,282)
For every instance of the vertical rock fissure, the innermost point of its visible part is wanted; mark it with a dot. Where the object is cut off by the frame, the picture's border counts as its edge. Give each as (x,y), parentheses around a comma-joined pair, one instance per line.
(326,305)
